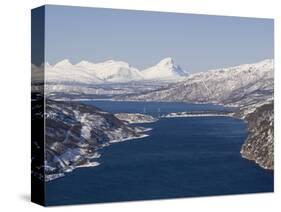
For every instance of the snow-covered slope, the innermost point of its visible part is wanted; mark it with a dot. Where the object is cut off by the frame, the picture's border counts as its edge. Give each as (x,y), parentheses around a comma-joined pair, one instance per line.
(111,71)
(165,69)
(74,133)
(234,85)
(65,72)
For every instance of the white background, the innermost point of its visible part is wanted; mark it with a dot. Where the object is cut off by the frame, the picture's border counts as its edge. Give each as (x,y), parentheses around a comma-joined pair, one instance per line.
(15,104)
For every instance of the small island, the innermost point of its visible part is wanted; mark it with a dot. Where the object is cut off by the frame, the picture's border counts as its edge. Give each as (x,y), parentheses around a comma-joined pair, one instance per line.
(197,113)
(135,118)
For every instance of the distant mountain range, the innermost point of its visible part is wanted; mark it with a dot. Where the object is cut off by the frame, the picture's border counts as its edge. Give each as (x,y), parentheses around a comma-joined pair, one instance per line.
(240,85)
(108,72)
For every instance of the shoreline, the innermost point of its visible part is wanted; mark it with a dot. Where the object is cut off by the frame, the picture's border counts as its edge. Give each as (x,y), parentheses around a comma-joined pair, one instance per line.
(135,100)
(169,115)
(51,177)
(128,139)
(197,115)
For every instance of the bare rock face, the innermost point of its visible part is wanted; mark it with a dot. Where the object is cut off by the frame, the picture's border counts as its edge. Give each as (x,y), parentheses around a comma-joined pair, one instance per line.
(259,145)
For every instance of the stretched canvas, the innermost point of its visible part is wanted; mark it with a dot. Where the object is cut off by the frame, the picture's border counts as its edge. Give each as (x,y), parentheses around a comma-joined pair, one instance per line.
(139,105)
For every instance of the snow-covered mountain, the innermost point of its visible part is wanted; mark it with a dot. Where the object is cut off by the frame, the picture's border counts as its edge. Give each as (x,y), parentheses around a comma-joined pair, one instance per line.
(111,71)
(66,72)
(164,70)
(235,85)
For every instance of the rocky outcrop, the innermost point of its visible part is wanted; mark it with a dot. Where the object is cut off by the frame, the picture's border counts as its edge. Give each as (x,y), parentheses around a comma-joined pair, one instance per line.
(74,133)
(259,145)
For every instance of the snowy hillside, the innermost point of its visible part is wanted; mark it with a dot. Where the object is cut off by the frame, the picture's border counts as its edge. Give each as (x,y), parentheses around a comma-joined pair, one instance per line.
(235,85)
(111,71)
(74,134)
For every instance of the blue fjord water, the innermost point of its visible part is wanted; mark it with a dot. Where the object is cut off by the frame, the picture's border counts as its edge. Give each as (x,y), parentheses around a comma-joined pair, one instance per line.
(182,157)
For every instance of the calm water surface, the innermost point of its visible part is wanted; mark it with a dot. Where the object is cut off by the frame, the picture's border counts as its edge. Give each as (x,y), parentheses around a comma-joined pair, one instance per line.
(182,157)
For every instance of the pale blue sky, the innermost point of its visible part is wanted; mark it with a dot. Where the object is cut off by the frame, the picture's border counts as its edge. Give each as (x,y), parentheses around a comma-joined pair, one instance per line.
(196,42)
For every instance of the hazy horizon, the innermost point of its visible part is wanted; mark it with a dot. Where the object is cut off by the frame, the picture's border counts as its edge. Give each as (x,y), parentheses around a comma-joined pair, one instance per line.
(142,38)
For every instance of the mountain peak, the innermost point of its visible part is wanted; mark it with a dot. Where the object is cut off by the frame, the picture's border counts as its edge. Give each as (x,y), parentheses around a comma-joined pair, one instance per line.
(120,71)
(165,69)
(64,62)
(166,61)
(84,63)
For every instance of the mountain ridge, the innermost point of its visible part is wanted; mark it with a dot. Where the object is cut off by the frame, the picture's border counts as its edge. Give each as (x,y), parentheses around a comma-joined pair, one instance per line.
(219,86)
(110,71)
(114,71)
